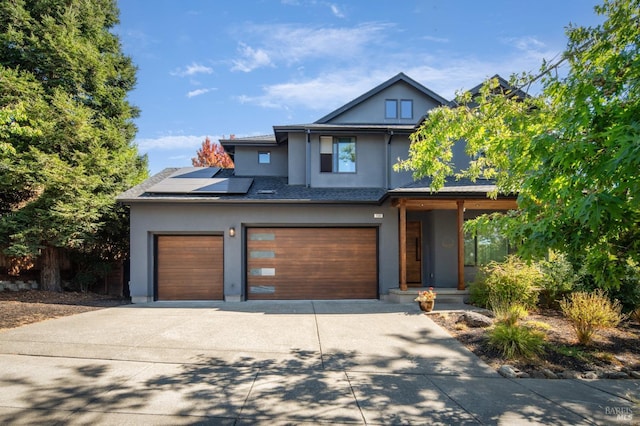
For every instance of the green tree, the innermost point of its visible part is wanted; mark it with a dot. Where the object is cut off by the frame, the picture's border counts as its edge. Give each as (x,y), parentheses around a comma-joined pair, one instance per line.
(66,132)
(571,152)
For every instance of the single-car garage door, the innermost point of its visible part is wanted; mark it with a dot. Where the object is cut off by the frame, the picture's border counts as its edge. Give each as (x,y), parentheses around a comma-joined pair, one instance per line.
(189,267)
(312,263)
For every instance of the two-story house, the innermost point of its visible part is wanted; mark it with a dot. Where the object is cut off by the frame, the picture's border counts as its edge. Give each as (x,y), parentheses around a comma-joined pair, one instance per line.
(313,211)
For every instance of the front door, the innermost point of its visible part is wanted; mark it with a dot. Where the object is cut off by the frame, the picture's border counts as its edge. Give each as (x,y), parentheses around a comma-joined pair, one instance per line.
(414,254)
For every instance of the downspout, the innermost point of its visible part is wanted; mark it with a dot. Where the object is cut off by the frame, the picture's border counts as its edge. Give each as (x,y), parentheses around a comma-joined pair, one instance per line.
(308,158)
(387,176)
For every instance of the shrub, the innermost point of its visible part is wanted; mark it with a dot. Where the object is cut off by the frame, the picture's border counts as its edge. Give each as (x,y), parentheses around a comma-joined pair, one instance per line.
(558,279)
(589,312)
(506,312)
(516,341)
(511,281)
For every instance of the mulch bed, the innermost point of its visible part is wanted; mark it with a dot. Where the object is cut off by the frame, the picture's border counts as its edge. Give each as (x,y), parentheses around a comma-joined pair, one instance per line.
(612,349)
(28,306)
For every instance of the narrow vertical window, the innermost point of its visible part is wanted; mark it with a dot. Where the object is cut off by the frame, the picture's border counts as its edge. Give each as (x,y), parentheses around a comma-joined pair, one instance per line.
(406,108)
(326,153)
(391,108)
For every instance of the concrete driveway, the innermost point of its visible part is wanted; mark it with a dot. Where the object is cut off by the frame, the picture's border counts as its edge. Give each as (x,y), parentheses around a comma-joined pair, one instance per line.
(359,362)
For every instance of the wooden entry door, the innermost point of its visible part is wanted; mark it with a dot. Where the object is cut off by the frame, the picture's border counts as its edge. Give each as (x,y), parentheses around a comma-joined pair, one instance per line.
(414,254)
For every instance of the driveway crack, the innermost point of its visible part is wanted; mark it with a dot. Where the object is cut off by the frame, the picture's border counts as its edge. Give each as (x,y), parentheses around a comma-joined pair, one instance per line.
(315,319)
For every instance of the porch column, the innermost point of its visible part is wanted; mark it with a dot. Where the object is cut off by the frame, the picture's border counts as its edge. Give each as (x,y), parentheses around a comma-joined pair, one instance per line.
(403,245)
(460,204)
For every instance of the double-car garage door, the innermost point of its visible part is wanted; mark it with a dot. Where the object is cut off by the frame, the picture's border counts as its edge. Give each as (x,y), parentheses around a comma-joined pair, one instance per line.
(312,263)
(281,263)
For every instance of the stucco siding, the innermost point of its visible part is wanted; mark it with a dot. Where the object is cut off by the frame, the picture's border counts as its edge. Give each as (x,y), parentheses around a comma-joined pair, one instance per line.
(297,159)
(444,248)
(370,165)
(150,220)
(246,161)
(399,149)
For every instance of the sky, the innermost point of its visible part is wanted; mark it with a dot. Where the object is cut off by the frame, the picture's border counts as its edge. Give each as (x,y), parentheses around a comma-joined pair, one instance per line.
(216,68)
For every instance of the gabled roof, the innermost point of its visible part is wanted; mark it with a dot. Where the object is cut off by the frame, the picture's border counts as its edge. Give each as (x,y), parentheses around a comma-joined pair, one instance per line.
(399,77)
(504,86)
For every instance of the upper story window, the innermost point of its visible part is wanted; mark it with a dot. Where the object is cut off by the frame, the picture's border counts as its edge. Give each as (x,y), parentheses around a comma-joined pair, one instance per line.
(337,155)
(406,108)
(264,157)
(391,108)
(394,108)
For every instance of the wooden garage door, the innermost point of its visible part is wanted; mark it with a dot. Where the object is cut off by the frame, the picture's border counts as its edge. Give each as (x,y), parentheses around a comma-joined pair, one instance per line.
(189,267)
(312,263)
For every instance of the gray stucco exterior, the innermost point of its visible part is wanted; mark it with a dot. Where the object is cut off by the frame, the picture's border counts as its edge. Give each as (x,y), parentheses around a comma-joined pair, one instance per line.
(147,220)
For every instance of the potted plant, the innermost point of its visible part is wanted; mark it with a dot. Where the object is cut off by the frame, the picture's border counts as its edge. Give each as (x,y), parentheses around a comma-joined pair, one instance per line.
(426,299)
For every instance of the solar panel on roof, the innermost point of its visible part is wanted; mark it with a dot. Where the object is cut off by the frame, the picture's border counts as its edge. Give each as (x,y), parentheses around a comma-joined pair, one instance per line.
(195,172)
(202,186)
(227,186)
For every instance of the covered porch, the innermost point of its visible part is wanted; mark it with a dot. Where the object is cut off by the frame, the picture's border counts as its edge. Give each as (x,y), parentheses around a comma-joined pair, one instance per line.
(427,253)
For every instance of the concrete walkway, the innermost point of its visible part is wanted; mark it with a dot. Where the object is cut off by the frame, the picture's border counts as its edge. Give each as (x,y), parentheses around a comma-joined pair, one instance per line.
(360,362)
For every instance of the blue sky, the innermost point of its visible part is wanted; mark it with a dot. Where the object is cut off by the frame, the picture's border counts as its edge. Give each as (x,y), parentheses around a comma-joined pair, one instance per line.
(215,68)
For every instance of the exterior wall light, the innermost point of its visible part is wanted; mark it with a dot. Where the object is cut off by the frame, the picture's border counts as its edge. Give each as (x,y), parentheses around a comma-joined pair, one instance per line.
(232,232)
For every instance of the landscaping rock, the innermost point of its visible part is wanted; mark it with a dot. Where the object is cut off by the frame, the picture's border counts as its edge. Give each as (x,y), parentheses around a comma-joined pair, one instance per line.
(635,374)
(616,375)
(590,375)
(549,374)
(570,374)
(475,319)
(511,372)
(537,374)
(508,371)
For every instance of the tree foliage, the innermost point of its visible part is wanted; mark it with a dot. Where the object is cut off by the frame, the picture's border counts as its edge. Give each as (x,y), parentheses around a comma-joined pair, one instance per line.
(66,130)
(212,155)
(571,152)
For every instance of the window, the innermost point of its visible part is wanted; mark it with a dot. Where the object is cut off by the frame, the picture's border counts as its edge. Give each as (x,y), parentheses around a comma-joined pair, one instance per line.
(337,155)
(486,246)
(264,157)
(391,108)
(406,108)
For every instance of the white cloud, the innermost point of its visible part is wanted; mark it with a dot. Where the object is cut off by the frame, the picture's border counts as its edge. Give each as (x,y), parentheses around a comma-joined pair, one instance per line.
(250,59)
(192,69)
(198,92)
(291,44)
(445,75)
(322,93)
(531,47)
(336,10)
(171,142)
